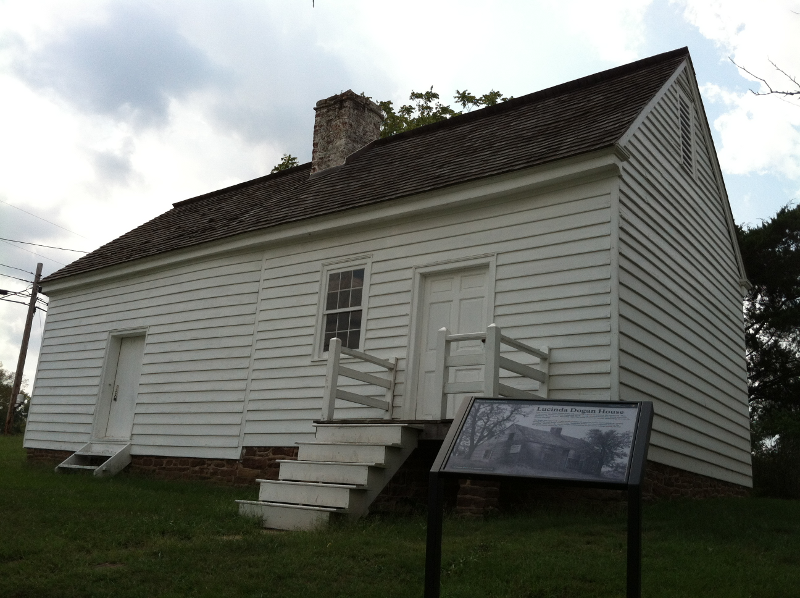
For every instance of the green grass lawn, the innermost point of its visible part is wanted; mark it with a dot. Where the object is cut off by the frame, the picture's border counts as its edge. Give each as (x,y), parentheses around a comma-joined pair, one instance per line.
(73,535)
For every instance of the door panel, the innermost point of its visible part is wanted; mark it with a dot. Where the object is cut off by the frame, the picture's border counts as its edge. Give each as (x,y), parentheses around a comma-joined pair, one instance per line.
(125,388)
(457,300)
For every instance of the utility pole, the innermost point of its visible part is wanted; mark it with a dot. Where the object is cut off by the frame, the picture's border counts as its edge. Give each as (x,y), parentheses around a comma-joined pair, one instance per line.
(23,350)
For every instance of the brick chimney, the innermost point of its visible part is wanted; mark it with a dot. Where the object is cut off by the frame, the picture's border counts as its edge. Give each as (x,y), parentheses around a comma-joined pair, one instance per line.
(343,124)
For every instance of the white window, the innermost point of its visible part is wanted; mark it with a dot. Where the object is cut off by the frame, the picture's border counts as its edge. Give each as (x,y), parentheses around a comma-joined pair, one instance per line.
(343,306)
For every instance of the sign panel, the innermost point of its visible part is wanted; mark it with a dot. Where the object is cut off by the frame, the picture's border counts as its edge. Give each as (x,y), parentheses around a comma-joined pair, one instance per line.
(585,441)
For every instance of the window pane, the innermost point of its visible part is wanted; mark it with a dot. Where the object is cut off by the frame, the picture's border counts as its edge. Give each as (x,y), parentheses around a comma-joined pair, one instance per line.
(346,280)
(331,300)
(344,321)
(328,337)
(353,338)
(330,324)
(355,319)
(355,298)
(333,282)
(358,278)
(344,299)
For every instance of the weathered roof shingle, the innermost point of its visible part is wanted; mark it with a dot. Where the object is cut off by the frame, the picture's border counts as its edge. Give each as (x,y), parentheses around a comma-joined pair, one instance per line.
(581,116)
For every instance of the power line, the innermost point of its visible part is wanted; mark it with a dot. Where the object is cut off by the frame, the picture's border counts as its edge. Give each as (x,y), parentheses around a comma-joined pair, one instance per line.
(40,218)
(40,245)
(15,268)
(13,293)
(15,278)
(34,253)
(12,301)
(25,293)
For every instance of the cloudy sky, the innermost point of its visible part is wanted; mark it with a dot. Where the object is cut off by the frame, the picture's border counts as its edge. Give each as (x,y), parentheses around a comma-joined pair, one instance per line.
(112,111)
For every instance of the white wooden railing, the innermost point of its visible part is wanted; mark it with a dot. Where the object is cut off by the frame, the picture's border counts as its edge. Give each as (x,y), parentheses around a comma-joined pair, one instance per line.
(335,370)
(492,363)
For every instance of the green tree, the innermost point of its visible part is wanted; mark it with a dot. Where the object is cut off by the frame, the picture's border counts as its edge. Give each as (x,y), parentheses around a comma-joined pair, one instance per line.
(21,411)
(771,256)
(426,109)
(288,161)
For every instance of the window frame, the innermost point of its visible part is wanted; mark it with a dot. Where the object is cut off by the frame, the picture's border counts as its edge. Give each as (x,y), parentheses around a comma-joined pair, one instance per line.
(327,268)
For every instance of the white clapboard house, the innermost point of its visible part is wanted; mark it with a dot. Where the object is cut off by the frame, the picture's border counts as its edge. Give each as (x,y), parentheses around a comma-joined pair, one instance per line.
(577,240)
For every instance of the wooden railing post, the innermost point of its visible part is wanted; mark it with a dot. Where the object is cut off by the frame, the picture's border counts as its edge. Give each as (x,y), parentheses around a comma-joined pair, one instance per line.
(544,366)
(491,369)
(331,379)
(390,390)
(440,375)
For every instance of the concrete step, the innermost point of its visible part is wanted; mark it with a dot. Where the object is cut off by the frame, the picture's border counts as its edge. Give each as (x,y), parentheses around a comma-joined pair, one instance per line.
(386,434)
(330,472)
(288,517)
(343,452)
(340,496)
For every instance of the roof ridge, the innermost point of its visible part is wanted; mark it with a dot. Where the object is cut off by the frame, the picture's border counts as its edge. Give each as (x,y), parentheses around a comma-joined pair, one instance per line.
(531,98)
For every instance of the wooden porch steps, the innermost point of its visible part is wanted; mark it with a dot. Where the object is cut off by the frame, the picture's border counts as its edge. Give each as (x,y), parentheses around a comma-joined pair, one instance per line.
(338,474)
(102,458)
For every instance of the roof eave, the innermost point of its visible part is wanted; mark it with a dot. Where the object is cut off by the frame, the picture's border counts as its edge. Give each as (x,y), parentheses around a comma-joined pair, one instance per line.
(599,164)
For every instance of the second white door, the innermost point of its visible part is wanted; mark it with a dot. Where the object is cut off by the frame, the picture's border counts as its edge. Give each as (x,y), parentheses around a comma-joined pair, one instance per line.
(458,301)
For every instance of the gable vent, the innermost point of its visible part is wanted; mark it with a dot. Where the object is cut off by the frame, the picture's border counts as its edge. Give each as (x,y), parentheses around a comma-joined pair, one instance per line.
(685,117)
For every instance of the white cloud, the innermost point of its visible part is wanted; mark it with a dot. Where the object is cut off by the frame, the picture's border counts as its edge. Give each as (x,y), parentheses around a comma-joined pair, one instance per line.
(615,28)
(84,164)
(759,134)
(754,133)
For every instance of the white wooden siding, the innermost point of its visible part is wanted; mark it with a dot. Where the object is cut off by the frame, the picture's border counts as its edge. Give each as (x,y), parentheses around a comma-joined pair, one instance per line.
(211,356)
(680,307)
(200,323)
(552,287)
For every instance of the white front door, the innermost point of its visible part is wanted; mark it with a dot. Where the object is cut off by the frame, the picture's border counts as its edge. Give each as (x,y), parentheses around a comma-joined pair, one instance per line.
(456,300)
(125,388)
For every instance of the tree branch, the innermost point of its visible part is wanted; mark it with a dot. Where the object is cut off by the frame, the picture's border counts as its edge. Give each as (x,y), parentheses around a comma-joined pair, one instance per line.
(765,82)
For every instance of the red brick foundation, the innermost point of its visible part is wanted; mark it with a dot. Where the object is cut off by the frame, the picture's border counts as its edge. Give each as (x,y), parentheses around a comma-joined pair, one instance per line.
(46,456)
(256,463)
(477,498)
(663,481)
(408,489)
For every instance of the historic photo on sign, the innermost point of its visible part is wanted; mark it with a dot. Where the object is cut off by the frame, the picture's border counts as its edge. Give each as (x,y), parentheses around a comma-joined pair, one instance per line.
(568,440)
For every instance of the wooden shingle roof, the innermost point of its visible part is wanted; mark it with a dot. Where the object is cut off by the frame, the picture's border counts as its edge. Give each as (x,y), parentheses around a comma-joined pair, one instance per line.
(573,118)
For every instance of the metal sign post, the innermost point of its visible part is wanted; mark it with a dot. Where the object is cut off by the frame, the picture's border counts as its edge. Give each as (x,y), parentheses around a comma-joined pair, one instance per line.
(598,444)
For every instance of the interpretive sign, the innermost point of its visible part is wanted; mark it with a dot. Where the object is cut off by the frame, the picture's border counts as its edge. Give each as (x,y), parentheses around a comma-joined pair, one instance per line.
(601,444)
(562,440)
